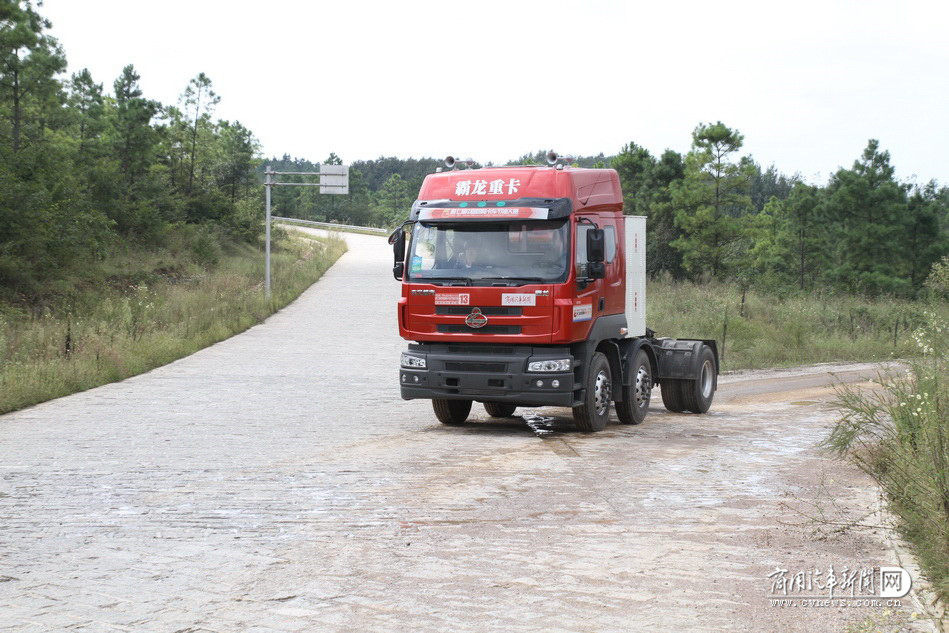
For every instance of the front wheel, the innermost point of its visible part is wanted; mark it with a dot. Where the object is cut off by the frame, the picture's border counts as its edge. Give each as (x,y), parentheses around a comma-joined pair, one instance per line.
(635,403)
(499,409)
(593,414)
(451,411)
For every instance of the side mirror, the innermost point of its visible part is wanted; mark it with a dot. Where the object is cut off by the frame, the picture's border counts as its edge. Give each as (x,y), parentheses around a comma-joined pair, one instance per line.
(596,270)
(596,248)
(397,239)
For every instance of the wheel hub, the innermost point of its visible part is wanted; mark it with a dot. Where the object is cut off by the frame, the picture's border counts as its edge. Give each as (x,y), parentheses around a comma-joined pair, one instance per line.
(643,387)
(708,374)
(602,392)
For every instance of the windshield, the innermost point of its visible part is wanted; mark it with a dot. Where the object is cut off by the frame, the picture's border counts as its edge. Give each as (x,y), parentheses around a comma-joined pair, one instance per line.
(473,251)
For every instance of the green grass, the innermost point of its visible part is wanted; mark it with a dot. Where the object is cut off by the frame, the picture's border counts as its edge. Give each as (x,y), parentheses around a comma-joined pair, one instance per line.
(775,331)
(899,435)
(147,310)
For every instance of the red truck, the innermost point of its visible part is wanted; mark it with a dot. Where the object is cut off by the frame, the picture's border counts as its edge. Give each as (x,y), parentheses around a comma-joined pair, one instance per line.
(526,286)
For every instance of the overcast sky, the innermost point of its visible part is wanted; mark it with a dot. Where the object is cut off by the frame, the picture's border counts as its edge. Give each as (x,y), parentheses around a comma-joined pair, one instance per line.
(807,83)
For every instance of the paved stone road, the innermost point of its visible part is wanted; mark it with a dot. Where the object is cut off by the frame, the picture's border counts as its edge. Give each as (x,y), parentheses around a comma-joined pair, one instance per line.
(276,482)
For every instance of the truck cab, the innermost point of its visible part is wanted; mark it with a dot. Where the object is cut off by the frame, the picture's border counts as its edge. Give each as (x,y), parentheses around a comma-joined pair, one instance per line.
(525,286)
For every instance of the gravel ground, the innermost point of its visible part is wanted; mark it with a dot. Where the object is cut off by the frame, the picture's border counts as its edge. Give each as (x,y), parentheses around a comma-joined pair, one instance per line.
(277,482)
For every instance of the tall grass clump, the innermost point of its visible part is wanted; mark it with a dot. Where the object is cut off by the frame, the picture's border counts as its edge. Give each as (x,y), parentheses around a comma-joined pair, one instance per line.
(899,435)
(756,330)
(149,309)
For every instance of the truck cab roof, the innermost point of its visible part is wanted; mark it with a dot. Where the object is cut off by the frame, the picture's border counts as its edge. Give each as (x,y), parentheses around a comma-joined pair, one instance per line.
(496,186)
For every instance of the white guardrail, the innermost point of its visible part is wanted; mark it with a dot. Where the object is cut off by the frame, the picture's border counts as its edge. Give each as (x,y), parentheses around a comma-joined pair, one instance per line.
(333,225)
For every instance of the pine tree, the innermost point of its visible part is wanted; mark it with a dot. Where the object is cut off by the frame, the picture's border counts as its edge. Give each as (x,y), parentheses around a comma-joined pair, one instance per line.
(198,101)
(236,148)
(87,105)
(134,137)
(394,201)
(865,207)
(709,201)
(30,59)
(925,241)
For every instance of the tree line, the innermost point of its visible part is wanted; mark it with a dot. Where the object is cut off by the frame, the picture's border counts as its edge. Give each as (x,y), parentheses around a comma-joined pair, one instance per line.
(87,172)
(715,214)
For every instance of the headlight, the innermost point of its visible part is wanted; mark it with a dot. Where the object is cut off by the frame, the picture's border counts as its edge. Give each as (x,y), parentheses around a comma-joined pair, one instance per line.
(413,362)
(560,364)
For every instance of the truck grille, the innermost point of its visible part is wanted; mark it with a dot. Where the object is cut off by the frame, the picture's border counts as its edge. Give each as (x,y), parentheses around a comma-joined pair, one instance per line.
(460,328)
(461,348)
(489,310)
(495,368)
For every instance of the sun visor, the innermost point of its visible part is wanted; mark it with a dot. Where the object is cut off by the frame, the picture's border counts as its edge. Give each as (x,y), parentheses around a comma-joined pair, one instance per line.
(493,211)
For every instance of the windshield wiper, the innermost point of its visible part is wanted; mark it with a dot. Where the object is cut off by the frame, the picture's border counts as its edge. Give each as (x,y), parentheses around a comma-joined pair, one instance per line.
(467,280)
(514,278)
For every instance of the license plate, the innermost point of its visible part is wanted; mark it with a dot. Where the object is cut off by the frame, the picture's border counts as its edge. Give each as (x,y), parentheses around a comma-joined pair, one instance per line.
(518,299)
(457,299)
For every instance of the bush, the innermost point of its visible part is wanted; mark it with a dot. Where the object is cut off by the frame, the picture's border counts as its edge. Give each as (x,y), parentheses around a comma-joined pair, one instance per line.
(206,248)
(938,283)
(758,330)
(899,435)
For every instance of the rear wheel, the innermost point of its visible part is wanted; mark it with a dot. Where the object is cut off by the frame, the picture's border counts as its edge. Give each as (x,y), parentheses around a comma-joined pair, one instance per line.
(635,404)
(451,411)
(499,409)
(671,391)
(697,394)
(594,413)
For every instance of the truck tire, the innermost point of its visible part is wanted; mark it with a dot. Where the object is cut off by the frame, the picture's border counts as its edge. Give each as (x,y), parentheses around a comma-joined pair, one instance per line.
(697,394)
(451,411)
(671,391)
(594,413)
(635,403)
(499,409)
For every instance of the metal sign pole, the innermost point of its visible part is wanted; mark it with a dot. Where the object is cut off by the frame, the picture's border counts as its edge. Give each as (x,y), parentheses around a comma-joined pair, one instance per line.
(268,185)
(333,179)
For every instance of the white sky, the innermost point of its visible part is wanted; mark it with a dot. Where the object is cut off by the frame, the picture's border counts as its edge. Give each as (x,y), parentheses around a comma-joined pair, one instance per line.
(806,82)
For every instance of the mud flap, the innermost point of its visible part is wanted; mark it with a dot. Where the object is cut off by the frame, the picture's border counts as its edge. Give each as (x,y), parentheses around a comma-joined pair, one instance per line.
(679,359)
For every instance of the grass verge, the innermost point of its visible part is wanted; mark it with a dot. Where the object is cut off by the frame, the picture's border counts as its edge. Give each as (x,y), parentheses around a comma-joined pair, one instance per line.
(756,330)
(130,328)
(899,435)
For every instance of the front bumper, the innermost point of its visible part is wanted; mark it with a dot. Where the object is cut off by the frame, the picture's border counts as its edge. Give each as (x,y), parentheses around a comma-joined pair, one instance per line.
(488,373)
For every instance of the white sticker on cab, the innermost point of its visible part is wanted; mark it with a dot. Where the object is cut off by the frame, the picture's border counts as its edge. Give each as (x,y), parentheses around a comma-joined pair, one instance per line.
(455,299)
(518,299)
(583,312)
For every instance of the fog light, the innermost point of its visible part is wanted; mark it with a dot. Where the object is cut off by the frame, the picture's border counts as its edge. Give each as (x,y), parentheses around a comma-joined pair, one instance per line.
(539,383)
(415,378)
(554,383)
(403,377)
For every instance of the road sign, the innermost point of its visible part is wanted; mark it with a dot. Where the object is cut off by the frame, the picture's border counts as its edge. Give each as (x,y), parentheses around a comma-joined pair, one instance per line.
(334,179)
